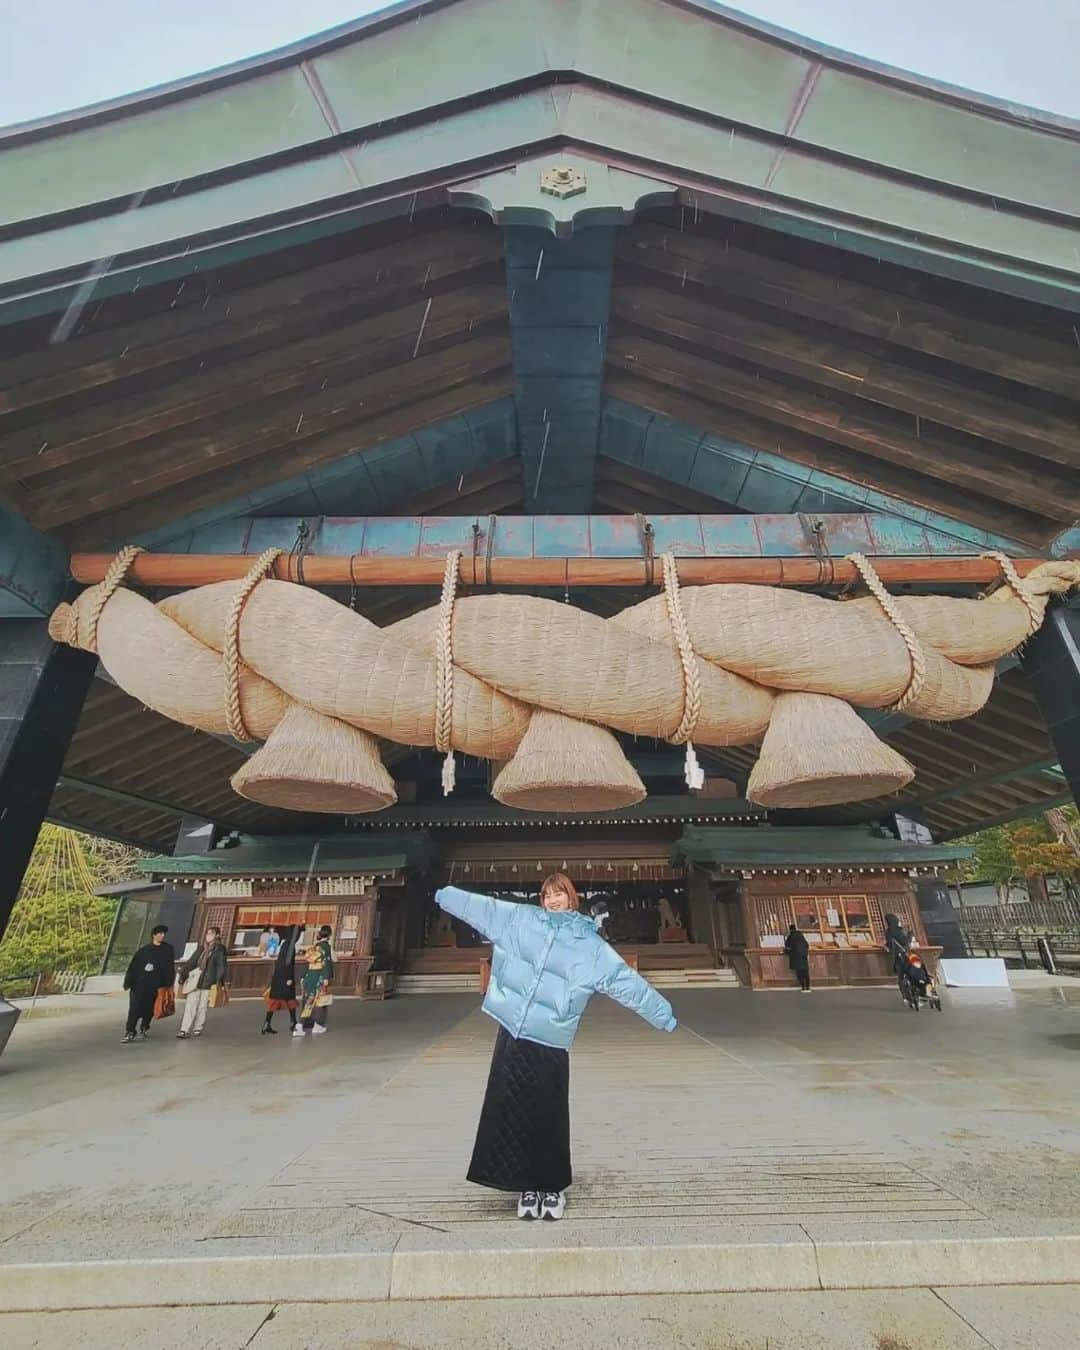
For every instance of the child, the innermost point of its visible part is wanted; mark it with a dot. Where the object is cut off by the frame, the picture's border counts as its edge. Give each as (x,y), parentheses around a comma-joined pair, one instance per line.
(546,964)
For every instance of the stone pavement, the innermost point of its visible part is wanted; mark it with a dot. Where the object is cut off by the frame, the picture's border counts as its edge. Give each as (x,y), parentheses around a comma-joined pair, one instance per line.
(837,1138)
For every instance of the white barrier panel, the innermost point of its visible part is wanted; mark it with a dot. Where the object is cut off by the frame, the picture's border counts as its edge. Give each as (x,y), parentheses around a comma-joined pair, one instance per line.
(976,972)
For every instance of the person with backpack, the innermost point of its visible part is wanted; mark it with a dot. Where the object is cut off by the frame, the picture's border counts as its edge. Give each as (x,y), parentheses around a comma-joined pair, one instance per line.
(547,962)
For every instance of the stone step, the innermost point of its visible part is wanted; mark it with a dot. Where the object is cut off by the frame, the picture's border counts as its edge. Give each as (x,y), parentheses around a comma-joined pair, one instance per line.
(519,1270)
(437,984)
(692,979)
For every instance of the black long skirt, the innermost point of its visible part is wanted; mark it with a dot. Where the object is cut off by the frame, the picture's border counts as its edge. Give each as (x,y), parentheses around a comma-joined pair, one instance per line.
(523,1139)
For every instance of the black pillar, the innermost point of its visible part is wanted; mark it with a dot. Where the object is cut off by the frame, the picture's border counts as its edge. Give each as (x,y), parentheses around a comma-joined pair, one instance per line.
(1051,662)
(176,907)
(940,918)
(42,690)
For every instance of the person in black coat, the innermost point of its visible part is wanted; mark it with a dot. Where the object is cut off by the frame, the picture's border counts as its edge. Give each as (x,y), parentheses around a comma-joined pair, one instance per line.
(281,995)
(153,967)
(897,941)
(798,955)
(897,944)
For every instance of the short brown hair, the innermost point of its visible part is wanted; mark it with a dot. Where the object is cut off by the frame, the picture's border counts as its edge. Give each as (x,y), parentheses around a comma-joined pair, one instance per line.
(559,881)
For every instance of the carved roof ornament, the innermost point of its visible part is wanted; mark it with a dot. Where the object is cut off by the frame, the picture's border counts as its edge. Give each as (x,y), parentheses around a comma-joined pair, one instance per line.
(562,180)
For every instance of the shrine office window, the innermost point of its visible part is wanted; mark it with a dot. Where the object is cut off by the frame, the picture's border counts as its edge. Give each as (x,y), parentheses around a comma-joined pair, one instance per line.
(252,919)
(838,920)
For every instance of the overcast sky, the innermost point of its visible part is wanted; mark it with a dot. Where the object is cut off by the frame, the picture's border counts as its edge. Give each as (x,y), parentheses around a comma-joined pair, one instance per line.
(60,54)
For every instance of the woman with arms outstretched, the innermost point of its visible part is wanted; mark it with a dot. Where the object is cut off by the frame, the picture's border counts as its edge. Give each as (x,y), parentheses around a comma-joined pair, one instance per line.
(546,964)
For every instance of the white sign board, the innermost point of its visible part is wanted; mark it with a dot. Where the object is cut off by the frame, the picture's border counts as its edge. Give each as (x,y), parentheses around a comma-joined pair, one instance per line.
(976,972)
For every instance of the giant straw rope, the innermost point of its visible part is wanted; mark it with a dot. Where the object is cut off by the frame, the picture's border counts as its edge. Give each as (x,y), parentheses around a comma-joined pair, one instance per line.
(537,686)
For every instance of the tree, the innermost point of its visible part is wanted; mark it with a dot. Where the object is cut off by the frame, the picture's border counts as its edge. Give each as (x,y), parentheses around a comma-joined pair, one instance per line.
(1028,850)
(57,922)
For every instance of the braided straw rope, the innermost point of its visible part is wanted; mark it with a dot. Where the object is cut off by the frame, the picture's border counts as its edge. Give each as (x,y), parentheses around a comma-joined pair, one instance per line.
(892,611)
(234,715)
(1015,583)
(684,733)
(100,596)
(444,670)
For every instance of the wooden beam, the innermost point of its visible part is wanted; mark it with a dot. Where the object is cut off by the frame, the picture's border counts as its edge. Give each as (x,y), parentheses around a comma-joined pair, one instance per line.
(159,839)
(920,325)
(275,377)
(162,745)
(332,420)
(194,569)
(488,491)
(709,415)
(858,372)
(371,280)
(233,480)
(1035,808)
(870,434)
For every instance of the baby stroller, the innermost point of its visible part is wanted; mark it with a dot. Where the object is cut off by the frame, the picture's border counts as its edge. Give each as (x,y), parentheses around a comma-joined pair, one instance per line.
(917,985)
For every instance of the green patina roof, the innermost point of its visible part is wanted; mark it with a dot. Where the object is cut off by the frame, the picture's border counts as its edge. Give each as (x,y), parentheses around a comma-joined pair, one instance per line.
(769,846)
(296,855)
(392,109)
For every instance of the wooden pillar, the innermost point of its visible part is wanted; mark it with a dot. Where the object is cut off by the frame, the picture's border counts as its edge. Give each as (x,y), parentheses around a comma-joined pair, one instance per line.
(701,919)
(42,691)
(360,908)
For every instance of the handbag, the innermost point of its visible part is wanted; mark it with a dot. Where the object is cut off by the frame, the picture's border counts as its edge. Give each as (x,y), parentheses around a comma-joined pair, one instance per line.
(192,982)
(219,996)
(164,1003)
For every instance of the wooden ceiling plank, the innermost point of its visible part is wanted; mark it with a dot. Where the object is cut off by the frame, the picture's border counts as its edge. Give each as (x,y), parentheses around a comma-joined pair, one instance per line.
(705,412)
(918,739)
(503,471)
(867,434)
(903,320)
(988,729)
(858,373)
(141,725)
(1030,722)
(304,369)
(336,420)
(230,482)
(204,759)
(269,310)
(614,472)
(165,747)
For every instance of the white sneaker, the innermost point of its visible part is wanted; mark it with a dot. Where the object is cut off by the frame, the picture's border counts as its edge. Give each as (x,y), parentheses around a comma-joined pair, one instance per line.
(553,1205)
(298,1030)
(529,1205)
(317,1030)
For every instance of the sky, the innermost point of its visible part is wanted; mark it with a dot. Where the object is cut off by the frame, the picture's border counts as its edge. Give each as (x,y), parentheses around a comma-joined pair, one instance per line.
(62,54)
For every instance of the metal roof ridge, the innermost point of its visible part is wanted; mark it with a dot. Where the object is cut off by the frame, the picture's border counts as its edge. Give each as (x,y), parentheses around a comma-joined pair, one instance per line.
(356,30)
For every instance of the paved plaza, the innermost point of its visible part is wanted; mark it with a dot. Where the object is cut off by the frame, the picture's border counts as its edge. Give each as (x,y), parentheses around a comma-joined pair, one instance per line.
(811,1126)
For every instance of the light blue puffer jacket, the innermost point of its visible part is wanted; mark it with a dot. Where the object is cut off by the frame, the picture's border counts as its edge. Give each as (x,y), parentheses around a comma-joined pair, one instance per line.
(546,966)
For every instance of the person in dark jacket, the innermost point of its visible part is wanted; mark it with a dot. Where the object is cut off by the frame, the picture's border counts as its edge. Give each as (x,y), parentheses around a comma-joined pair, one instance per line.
(897,944)
(281,995)
(798,955)
(153,967)
(546,965)
(211,961)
